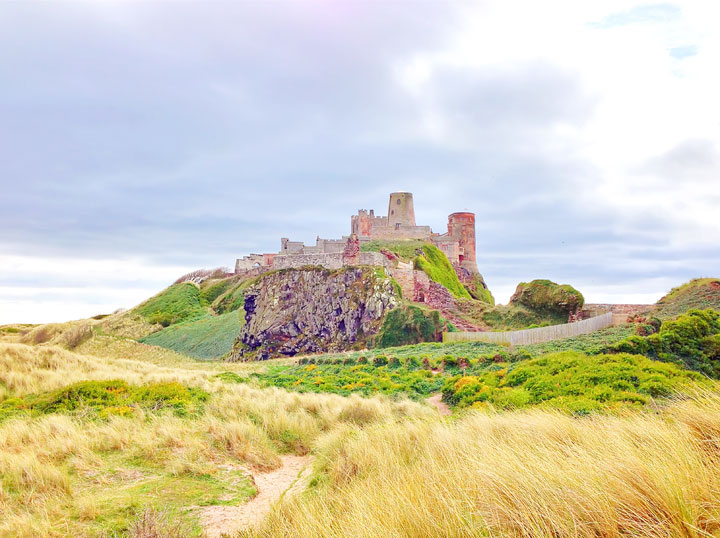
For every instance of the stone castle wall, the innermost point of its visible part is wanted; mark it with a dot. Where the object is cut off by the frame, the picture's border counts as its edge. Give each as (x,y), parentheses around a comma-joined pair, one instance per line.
(333,260)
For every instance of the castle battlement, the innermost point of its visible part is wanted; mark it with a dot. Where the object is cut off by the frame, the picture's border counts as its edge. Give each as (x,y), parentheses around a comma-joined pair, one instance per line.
(458,243)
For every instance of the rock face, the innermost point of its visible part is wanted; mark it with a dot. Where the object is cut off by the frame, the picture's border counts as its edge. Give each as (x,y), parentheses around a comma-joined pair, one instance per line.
(313,309)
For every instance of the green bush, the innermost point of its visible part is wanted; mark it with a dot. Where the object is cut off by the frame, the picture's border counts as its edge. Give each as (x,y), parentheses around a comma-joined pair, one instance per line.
(409,324)
(570,380)
(101,398)
(547,297)
(364,379)
(686,340)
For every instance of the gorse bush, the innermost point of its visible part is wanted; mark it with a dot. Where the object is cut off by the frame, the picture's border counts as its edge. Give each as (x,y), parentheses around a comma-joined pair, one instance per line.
(686,340)
(107,398)
(362,378)
(571,381)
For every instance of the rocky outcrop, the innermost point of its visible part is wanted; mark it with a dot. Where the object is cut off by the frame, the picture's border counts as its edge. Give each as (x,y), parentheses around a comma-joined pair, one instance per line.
(313,310)
(544,296)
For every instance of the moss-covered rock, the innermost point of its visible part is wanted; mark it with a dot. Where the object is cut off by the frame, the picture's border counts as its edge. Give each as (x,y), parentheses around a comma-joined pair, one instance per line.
(410,325)
(546,297)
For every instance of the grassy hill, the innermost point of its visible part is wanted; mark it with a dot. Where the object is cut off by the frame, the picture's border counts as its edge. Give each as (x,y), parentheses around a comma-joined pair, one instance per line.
(209,337)
(699,293)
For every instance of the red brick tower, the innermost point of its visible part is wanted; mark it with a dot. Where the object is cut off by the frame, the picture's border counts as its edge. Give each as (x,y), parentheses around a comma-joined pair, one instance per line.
(461,226)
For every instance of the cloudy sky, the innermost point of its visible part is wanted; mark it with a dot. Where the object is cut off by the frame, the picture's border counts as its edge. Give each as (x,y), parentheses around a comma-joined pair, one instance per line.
(140,140)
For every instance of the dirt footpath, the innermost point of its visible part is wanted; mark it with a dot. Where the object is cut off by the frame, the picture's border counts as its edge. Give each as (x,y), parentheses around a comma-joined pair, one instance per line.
(287,479)
(436,401)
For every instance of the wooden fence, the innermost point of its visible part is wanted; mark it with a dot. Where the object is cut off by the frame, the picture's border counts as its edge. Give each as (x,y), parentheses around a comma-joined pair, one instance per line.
(534,336)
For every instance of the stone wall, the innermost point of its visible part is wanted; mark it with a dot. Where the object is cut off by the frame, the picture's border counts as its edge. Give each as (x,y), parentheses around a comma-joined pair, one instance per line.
(328,261)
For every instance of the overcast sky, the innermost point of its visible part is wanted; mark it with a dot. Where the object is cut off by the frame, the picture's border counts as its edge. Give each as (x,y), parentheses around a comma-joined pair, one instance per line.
(141,140)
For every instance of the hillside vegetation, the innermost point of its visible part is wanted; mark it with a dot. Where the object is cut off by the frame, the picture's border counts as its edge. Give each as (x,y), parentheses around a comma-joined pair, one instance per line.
(699,293)
(436,265)
(209,337)
(592,439)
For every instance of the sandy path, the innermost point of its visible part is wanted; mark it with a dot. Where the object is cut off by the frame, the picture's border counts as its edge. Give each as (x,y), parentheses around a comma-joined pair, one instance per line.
(287,479)
(436,401)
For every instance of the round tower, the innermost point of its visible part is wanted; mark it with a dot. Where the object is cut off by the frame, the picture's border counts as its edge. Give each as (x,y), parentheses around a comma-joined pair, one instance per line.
(401,211)
(461,226)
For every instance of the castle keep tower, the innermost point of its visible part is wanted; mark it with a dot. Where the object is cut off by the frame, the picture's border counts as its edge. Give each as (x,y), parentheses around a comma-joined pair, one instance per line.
(401,211)
(461,227)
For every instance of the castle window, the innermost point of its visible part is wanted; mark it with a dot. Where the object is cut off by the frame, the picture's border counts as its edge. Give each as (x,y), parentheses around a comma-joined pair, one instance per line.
(398,201)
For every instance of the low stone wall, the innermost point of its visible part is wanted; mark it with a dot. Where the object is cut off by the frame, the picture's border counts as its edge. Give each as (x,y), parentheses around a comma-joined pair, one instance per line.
(534,336)
(329,261)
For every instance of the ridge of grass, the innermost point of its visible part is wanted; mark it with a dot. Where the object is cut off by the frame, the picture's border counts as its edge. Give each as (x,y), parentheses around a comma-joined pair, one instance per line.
(209,337)
(437,266)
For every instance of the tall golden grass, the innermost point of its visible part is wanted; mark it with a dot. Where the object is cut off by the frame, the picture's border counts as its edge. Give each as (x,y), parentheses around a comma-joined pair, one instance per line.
(59,472)
(522,474)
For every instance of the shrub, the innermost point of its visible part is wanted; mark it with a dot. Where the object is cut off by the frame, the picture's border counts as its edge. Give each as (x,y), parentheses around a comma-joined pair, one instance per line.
(572,381)
(76,335)
(111,397)
(683,340)
(409,325)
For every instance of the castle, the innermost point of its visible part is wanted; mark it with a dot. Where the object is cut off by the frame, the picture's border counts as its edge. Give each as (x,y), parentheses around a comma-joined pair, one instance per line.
(458,243)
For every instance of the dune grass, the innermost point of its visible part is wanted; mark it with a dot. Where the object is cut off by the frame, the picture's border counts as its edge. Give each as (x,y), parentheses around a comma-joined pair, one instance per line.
(522,474)
(68,472)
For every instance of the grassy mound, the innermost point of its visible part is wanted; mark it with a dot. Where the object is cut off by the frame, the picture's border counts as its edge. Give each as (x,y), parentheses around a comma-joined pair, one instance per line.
(438,268)
(520,474)
(548,298)
(209,337)
(410,325)
(572,381)
(479,291)
(178,303)
(699,293)
(232,297)
(70,466)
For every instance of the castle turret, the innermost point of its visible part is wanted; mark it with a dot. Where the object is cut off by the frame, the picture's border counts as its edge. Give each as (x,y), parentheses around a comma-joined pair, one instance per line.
(401,211)
(461,226)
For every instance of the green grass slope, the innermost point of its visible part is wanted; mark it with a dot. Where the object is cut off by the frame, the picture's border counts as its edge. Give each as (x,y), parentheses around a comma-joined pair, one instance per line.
(699,293)
(200,321)
(178,303)
(405,249)
(436,265)
(209,337)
